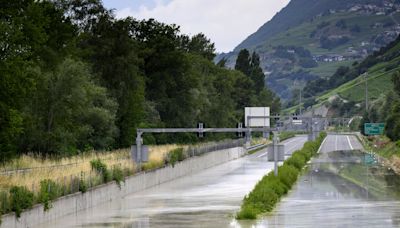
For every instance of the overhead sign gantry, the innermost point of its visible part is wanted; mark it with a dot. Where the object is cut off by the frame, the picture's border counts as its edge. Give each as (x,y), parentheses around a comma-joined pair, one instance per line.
(257,119)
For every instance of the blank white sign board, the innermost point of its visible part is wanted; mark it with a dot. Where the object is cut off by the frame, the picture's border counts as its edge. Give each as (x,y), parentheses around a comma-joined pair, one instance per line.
(261,113)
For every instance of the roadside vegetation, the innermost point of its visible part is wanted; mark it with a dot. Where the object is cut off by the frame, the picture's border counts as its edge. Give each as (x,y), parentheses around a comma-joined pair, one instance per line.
(31,179)
(386,149)
(270,189)
(76,78)
(286,135)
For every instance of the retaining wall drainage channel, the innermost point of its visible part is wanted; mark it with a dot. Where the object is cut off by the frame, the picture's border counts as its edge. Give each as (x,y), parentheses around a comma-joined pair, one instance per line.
(80,201)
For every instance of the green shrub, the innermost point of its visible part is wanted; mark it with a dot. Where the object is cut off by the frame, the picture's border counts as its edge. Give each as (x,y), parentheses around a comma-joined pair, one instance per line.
(82,184)
(20,199)
(4,202)
(101,168)
(270,188)
(287,174)
(297,160)
(247,212)
(49,190)
(107,176)
(263,199)
(275,184)
(98,165)
(150,165)
(118,175)
(175,156)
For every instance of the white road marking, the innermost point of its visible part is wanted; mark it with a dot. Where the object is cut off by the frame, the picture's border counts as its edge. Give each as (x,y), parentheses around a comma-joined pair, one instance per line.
(296,145)
(322,144)
(292,148)
(348,140)
(262,155)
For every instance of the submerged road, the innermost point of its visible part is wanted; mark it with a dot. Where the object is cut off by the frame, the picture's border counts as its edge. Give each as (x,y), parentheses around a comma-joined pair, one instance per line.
(338,193)
(336,142)
(206,199)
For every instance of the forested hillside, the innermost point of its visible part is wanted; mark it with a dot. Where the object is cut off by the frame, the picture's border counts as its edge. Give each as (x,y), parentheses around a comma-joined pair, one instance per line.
(75,78)
(344,92)
(296,13)
(310,39)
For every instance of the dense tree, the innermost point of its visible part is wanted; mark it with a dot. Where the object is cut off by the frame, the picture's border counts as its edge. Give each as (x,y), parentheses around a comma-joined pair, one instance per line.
(73,78)
(166,66)
(114,57)
(393,119)
(253,91)
(257,74)
(243,62)
(396,82)
(222,62)
(69,112)
(22,34)
(201,45)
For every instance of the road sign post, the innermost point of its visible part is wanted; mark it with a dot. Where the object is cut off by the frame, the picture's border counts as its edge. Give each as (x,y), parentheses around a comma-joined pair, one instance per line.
(275,142)
(374,128)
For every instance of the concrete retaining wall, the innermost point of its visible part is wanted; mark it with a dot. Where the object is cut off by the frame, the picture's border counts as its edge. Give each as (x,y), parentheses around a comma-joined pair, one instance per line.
(80,201)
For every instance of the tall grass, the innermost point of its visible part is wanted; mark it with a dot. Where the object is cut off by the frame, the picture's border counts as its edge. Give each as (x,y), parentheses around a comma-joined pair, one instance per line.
(32,179)
(260,140)
(269,190)
(30,170)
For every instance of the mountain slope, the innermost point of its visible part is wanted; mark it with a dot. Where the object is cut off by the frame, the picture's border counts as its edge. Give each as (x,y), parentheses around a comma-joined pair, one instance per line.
(310,39)
(349,97)
(295,13)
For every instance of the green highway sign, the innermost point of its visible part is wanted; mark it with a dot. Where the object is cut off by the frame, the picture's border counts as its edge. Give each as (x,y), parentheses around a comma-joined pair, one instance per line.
(374,128)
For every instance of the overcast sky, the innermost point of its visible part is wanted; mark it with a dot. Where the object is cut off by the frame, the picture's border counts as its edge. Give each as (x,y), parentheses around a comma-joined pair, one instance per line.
(225,22)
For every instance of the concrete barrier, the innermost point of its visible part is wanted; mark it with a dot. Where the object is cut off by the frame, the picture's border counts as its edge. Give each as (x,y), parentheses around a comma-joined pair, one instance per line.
(80,201)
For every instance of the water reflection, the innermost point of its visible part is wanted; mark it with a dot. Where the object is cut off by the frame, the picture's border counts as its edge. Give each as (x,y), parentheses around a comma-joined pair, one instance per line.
(339,189)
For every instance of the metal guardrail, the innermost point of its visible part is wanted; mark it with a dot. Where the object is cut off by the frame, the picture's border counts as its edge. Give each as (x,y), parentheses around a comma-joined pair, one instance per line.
(256,147)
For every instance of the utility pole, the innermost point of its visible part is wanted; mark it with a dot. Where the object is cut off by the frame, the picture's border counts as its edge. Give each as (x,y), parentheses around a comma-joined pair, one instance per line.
(139,142)
(300,101)
(366,91)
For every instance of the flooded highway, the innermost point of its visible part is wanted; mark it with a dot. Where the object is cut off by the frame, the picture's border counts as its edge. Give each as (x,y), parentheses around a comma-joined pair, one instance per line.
(206,199)
(340,189)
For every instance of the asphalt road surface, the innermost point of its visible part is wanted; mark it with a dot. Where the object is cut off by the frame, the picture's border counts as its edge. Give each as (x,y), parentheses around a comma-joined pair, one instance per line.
(206,199)
(337,142)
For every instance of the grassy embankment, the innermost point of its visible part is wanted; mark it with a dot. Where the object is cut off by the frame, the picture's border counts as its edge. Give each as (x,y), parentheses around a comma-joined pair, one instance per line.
(388,151)
(31,179)
(268,191)
(29,170)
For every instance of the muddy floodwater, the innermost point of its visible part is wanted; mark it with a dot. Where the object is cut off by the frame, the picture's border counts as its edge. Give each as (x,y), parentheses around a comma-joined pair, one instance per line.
(340,189)
(206,199)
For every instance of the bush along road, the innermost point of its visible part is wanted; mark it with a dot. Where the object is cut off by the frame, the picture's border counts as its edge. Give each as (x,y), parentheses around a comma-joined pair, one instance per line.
(269,190)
